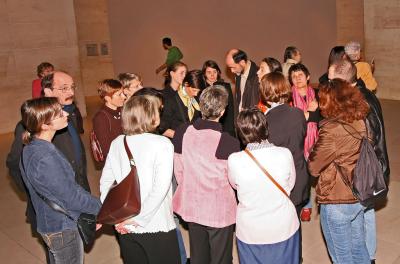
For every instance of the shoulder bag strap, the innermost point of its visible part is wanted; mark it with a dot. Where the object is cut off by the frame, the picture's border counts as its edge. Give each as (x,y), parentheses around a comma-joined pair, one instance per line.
(266,172)
(128,152)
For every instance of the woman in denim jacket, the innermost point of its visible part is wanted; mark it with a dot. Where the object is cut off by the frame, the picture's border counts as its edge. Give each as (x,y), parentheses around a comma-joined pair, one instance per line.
(47,173)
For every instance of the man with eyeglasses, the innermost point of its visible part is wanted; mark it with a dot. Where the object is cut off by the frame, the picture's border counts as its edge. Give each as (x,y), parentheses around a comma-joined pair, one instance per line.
(67,140)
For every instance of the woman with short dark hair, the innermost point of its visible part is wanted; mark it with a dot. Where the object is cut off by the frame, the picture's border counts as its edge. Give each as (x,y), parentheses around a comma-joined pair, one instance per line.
(333,160)
(266,221)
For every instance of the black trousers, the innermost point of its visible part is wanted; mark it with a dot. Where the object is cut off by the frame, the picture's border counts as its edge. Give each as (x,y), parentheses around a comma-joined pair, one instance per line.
(209,245)
(150,248)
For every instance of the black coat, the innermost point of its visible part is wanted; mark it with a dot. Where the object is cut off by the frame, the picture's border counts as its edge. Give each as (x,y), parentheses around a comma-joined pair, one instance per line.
(376,128)
(174,112)
(251,94)
(287,128)
(228,119)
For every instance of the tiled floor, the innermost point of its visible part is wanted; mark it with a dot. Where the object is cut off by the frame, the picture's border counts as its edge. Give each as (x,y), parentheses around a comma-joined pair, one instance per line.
(18,246)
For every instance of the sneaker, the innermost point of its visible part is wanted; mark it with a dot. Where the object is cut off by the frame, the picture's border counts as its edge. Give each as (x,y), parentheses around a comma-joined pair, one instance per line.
(305,214)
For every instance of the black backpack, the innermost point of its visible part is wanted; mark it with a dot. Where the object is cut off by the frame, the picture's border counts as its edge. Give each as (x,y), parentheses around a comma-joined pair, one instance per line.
(368,182)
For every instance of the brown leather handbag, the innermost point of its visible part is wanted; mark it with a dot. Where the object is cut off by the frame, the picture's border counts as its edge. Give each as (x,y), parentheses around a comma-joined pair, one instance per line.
(123,199)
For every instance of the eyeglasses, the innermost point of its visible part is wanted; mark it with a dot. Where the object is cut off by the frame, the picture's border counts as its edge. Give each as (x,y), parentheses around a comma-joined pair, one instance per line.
(66,89)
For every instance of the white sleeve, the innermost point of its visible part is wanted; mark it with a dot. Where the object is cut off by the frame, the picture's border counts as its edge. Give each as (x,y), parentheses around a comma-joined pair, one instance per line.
(161,184)
(232,170)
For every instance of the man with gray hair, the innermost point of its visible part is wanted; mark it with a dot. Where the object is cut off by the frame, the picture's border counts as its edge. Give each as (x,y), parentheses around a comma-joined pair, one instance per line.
(364,70)
(345,70)
(204,197)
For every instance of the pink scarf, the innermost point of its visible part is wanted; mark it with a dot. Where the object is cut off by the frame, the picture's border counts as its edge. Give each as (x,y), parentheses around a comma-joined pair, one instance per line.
(312,128)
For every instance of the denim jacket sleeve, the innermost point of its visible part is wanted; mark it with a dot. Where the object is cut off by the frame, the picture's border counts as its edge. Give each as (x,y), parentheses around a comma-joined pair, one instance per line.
(55,181)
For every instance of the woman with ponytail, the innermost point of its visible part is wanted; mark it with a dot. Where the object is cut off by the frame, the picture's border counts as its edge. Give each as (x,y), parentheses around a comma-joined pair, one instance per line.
(49,177)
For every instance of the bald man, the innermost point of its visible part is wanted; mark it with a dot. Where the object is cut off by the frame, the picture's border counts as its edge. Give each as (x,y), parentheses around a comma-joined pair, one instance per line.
(246,80)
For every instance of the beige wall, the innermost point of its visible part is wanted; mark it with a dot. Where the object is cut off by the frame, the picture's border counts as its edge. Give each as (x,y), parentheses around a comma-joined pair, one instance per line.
(207,30)
(349,21)
(92,28)
(382,42)
(32,32)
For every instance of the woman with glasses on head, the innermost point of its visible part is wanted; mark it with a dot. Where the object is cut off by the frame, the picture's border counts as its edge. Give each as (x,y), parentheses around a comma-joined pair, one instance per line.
(180,98)
(107,121)
(212,75)
(150,237)
(47,174)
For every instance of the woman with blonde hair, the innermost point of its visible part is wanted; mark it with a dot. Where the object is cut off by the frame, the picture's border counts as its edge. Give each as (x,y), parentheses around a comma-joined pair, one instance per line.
(150,237)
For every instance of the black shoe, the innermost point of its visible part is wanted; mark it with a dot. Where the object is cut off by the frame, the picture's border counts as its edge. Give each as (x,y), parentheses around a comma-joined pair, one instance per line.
(373,261)
(188,261)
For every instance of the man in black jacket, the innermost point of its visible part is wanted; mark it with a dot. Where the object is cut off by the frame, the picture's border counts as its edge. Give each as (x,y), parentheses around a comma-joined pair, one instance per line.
(67,140)
(344,69)
(246,79)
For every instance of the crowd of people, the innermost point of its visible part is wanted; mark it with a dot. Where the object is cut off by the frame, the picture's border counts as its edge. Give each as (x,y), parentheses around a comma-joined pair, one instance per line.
(218,160)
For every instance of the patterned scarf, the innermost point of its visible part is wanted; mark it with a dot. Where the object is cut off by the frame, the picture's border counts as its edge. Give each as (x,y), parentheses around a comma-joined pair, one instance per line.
(312,128)
(189,102)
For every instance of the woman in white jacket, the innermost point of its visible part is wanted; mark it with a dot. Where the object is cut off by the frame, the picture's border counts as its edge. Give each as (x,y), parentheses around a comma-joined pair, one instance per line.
(266,220)
(149,237)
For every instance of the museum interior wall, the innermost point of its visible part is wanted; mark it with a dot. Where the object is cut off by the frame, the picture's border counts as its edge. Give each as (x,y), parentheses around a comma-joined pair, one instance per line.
(95,39)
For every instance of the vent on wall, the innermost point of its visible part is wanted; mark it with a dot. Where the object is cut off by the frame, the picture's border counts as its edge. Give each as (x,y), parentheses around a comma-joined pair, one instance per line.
(104,49)
(92,50)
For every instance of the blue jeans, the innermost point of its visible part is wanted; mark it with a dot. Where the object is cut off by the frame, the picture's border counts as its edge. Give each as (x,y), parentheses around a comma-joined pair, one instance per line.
(343,228)
(64,247)
(370,231)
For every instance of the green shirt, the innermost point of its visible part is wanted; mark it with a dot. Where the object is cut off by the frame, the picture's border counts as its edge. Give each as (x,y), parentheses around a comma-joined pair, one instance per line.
(174,55)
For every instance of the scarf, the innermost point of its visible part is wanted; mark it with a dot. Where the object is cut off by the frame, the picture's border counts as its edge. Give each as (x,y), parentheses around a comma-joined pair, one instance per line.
(312,128)
(189,102)
(76,140)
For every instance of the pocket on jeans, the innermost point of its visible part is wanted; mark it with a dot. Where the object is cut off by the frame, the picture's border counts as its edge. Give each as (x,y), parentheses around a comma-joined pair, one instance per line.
(59,240)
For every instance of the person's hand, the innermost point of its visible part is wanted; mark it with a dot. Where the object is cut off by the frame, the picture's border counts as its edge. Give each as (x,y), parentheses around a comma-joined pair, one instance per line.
(121,227)
(98,226)
(312,106)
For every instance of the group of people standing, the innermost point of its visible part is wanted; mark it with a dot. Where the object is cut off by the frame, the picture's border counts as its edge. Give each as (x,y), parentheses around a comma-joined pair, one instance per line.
(220,160)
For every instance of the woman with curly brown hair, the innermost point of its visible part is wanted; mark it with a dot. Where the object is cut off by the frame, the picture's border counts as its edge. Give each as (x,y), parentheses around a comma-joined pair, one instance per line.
(333,160)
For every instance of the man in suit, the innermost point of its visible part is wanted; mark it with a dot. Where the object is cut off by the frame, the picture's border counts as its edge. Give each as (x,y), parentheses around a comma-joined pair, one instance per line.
(246,80)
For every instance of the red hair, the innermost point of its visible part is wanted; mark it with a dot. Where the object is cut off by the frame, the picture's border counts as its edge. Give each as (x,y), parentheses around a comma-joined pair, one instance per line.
(339,99)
